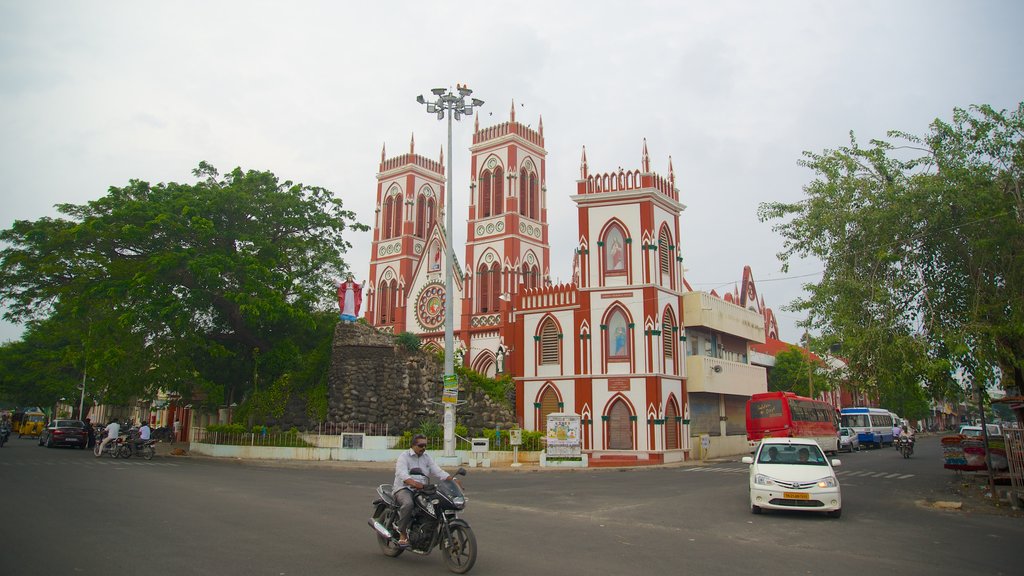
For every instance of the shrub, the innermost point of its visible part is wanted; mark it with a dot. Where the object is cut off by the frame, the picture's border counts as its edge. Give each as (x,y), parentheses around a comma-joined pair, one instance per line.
(409,341)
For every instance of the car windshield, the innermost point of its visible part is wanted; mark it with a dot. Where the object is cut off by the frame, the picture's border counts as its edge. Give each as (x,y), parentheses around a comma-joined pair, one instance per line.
(69,423)
(805,454)
(844,431)
(970,431)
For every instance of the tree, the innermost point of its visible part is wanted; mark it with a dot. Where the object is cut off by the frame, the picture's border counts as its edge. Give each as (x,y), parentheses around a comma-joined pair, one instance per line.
(922,242)
(182,286)
(793,372)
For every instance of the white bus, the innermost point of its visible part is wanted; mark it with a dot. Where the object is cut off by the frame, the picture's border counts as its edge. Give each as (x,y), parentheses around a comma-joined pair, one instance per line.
(872,425)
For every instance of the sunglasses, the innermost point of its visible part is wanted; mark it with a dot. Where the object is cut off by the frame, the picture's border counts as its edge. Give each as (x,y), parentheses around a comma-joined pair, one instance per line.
(420,445)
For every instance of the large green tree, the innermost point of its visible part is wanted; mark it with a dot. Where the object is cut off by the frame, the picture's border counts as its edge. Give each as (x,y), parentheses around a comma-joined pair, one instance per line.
(922,240)
(206,287)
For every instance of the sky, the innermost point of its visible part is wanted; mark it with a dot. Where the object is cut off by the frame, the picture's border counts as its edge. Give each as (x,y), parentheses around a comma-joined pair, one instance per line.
(95,93)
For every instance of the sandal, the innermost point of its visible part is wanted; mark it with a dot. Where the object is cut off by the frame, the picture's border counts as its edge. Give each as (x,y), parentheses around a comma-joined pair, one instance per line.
(403,543)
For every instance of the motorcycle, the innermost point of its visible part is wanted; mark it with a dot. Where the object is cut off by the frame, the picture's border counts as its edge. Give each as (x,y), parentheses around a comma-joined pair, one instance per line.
(145,449)
(435,523)
(906,446)
(5,433)
(115,448)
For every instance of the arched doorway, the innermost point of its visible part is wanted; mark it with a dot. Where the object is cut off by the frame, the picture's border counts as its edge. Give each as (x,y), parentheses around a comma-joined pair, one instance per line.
(620,429)
(671,427)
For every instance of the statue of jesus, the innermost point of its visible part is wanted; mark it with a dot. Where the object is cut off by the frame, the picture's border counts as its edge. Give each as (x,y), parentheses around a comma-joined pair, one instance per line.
(350,298)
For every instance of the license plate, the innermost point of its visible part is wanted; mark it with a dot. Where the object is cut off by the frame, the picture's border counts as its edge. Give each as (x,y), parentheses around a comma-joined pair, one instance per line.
(796,495)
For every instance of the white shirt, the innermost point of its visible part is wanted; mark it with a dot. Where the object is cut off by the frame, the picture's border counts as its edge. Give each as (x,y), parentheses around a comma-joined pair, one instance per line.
(407,461)
(113,430)
(144,432)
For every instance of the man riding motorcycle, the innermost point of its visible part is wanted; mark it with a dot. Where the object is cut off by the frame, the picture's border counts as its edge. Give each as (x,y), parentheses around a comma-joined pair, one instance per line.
(405,482)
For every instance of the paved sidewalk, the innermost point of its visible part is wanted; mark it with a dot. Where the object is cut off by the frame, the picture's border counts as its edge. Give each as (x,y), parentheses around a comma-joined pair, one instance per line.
(180,450)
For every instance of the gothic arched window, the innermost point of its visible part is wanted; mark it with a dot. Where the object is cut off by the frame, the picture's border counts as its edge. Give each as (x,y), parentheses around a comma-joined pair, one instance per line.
(498,192)
(485,194)
(617,336)
(550,351)
(615,250)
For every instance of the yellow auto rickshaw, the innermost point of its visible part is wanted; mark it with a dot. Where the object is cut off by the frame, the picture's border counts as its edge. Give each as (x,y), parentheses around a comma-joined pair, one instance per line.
(31,424)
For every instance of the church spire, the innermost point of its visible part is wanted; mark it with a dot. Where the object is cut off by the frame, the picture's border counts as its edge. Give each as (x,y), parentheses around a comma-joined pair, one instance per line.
(671,173)
(382,152)
(412,144)
(441,161)
(512,113)
(583,165)
(541,127)
(645,162)
(476,123)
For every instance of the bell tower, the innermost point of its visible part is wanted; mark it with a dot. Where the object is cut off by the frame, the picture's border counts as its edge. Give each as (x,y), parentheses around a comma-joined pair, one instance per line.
(507,246)
(410,202)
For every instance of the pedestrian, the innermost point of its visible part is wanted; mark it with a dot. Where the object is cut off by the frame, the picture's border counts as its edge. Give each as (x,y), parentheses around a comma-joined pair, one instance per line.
(91,433)
(177,429)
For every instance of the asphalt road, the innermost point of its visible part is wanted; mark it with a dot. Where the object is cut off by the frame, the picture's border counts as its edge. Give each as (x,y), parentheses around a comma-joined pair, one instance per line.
(67,512)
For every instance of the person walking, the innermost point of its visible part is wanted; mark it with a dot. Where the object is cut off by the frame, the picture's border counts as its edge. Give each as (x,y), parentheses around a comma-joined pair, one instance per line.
(90,434)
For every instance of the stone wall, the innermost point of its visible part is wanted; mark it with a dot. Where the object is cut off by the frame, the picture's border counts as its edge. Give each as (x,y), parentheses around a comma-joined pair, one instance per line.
(372,381)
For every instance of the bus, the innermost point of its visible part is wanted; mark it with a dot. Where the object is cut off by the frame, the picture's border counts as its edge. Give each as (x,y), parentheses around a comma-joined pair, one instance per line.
(784,414)
(872,425)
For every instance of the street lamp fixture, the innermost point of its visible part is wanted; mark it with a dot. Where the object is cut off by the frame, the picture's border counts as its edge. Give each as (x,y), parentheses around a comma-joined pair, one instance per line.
(456,106)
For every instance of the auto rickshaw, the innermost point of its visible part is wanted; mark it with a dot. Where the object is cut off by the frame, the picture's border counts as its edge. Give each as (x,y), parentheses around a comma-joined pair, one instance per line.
(31,424)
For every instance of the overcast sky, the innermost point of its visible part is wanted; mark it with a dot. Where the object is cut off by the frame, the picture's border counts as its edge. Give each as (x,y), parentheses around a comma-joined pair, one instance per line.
(93,94)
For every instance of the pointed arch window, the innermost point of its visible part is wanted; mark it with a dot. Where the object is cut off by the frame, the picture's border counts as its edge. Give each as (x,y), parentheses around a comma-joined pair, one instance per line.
(424,215)
(490,287)
(665,255)
(386,302)
(548,405)
(534,197)
(485,194)
(524,192)
(617,336)
(484,283)
(550,351)
(615,250)
(531,278)
(668,341)
(387,223)
(498,192)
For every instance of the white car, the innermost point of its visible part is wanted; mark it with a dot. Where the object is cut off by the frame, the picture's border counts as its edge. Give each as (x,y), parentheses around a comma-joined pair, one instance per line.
(793,474)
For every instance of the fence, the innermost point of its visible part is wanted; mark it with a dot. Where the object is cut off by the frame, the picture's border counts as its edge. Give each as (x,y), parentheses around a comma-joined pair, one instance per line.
(312,438)
(1014,436)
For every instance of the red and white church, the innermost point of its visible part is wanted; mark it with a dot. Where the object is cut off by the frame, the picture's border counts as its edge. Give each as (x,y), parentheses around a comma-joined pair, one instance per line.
(611,345)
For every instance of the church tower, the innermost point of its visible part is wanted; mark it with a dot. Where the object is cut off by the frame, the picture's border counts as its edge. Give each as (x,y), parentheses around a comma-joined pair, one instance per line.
(507,248)
(408,238)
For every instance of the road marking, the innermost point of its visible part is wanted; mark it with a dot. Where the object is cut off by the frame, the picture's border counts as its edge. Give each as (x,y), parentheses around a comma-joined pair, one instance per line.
(905,476)
(892,476)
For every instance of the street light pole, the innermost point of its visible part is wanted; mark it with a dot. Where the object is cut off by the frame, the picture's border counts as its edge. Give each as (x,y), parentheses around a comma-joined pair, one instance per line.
(455,105)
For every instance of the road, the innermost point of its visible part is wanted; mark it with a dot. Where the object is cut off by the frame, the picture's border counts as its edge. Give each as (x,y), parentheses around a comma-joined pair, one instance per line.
(67,512)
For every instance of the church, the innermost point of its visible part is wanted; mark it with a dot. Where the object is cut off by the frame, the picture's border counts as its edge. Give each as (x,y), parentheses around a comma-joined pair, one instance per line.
(657,372)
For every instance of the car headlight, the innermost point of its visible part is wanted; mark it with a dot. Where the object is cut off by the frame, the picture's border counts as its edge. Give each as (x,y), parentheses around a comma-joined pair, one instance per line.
(763,480)
(829,482)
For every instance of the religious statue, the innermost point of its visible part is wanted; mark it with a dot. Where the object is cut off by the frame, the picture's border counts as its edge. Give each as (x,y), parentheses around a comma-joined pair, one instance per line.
(350,298)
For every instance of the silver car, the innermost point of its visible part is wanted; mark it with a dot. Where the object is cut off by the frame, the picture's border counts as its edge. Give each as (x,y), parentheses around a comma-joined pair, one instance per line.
(848,440)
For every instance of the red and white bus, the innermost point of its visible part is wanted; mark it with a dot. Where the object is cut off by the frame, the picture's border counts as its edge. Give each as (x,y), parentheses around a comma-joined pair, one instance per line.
(784,414)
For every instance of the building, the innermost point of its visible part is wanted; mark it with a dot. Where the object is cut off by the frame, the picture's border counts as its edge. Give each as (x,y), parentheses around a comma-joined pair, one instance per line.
(644,360)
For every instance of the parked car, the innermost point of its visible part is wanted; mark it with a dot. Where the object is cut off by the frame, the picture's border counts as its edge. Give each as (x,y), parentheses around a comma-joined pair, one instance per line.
(793,474)
(848,441)
(64,433)
(993,430)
